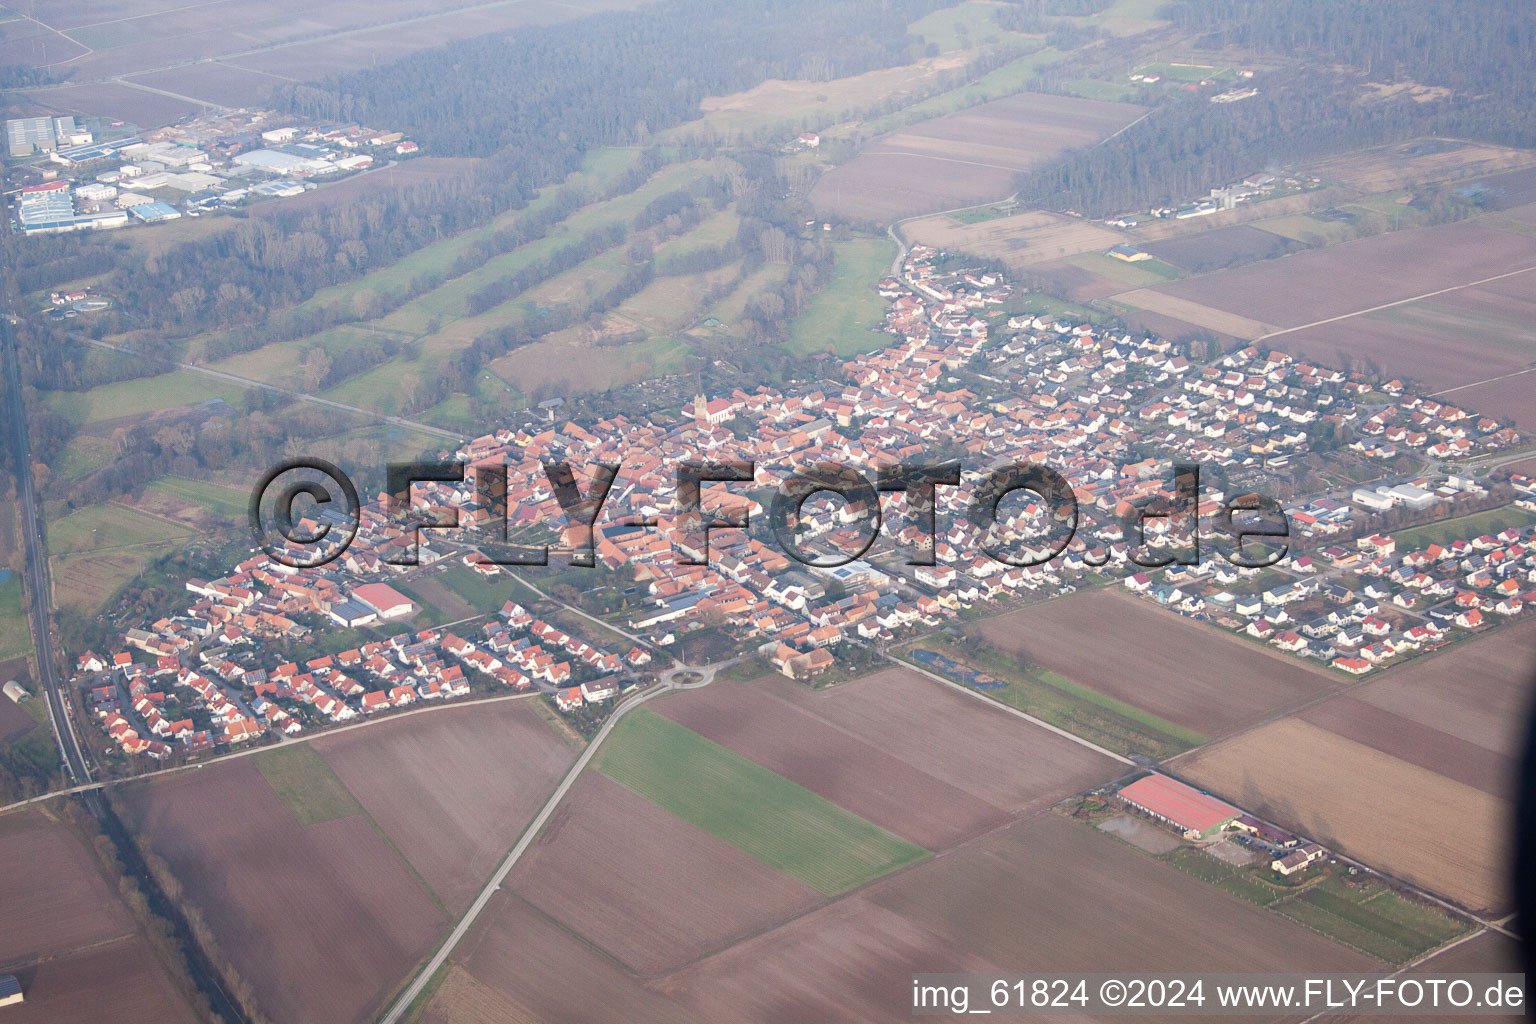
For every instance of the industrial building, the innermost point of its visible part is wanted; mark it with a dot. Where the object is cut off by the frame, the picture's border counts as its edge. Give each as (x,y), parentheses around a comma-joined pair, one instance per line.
(279,162)
(27,135)
(10,991)
(384,599)
(152,212)
(1197,815)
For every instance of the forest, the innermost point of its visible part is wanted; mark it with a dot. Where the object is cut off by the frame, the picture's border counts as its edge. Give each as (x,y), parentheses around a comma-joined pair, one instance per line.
(558,90)
(1320,104)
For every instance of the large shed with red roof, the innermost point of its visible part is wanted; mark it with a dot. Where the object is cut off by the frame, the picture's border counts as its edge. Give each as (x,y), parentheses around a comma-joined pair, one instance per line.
(1198,815)
(384,599)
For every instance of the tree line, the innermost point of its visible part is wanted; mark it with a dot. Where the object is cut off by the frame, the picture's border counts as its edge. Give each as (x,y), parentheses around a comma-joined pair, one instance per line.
(1317,107)
(610,79)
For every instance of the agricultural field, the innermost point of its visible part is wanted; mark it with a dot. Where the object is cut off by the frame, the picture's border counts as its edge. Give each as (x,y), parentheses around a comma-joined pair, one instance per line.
(1477,692)
(82,456)
(1484,952)
(1445,531)
(1393,814)
(953,738)
(454,789)
(1221,248)
(571,361)
(780,106)
(519,964)
(842,317)
(235,57)
(1104,902)
(773,820)
(1051,697)
(1125,648)
(1403,165)
(322,919)
(754,721)
(1022,239)
(18,720)
(595,869)
(1373,919)
(231,504)
(963,158)
(1356,277)
(96,550)
(142,395)
(73,946)
(15,638)
(1141,274)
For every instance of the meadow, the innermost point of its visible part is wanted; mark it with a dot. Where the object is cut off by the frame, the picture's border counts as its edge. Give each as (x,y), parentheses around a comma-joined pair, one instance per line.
(776,822)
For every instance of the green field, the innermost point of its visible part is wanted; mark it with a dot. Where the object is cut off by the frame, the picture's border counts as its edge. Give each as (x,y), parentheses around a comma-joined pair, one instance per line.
(15,635)
(1373,919)
(1111,723)
(1495,520)
(82,456)
(1141,274)
(136,397)
(1127,17)
(1240,882)
(1182,72)
(600,168)
(302,780)
(839,318)
(962,27)
(487,594)
(979,214)
(730,309)
(1007,80)
(785,826)
(1096,89)
(224,501)
(108,527)
(1308,230)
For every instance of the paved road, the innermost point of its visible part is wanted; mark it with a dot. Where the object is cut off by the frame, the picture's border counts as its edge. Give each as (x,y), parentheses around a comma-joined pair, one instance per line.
(38,590)
(424,976)
(301,396)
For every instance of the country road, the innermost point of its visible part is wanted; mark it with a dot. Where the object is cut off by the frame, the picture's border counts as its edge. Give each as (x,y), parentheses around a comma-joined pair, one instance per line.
(425,974)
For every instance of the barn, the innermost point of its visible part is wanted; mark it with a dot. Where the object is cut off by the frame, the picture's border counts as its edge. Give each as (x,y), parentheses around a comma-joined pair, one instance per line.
(1198,815)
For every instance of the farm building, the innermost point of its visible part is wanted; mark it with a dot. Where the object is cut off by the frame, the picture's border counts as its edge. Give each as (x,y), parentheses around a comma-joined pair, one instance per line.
(1129,254)
(1198,815)
(16,692)
(1268,833)
(1298,860)
(384,599)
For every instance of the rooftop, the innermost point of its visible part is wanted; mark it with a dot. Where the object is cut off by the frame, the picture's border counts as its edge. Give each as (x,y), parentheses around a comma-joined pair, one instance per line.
(1181,804)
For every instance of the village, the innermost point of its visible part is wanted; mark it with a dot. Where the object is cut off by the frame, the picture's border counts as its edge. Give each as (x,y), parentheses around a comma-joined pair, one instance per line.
(958,377)
(78,176)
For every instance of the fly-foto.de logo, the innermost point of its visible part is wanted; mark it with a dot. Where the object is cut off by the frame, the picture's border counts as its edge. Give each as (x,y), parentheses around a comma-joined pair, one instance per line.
(1250,531)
